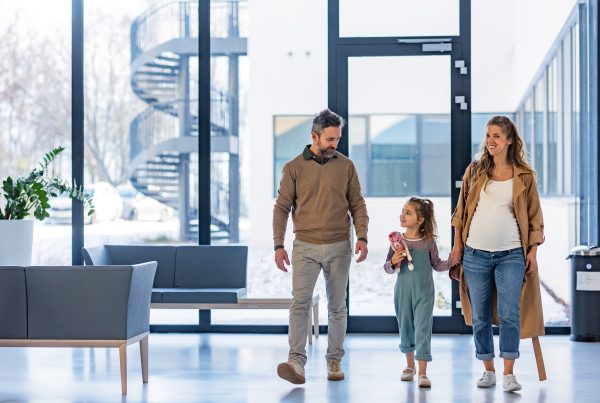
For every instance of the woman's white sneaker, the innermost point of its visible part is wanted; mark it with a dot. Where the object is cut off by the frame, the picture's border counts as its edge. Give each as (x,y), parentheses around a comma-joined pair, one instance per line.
(487,380)
(510,383)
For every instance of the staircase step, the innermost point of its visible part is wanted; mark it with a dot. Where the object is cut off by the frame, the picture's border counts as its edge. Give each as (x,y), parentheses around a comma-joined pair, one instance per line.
(174,80)
(154,73)
(167,58)
(165,170)
(162,66)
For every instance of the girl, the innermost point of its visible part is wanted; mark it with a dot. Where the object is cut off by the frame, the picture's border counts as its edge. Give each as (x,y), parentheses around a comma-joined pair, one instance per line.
(499,225)
(414,293)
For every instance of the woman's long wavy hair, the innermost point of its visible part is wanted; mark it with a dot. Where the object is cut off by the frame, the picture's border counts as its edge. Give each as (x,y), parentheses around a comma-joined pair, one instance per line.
(424,209)
(516,150)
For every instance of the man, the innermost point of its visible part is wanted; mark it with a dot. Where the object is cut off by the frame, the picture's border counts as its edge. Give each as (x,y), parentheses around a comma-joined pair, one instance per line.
(320,186)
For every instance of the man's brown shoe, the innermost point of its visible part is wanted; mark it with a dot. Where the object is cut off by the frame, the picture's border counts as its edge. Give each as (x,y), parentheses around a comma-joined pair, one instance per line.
(334,370)
(291,371)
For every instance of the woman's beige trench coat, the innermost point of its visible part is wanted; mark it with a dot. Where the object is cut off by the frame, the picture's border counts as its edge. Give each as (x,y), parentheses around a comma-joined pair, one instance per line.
(531,226)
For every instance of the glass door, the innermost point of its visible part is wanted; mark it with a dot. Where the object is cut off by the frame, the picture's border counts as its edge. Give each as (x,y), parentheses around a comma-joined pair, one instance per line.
(399,131)
(407,101)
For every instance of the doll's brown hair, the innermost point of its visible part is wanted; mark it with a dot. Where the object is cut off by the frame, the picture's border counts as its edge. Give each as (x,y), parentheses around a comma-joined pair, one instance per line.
(424,209)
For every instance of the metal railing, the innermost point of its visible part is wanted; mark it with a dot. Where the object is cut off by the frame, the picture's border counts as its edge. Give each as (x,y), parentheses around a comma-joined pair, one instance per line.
(162,23)
(159,123)
(177,19)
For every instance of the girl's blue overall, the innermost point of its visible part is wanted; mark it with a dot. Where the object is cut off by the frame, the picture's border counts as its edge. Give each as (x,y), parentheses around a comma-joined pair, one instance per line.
(414,297)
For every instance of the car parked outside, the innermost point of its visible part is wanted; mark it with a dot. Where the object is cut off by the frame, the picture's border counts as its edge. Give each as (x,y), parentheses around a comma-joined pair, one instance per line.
(108,205)
(137,206)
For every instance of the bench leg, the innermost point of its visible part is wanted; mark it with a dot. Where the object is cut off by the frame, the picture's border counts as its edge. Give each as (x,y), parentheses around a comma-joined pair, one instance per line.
(537,350)
(123,357)
(309,326)
(316,318)
(144,355)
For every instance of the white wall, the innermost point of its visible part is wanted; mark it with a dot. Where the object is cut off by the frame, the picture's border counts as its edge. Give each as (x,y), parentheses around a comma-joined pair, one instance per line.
(509,41)
(281,84)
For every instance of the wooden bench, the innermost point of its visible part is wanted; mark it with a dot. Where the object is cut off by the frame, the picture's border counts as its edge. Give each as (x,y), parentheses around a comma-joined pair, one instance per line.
(255,301)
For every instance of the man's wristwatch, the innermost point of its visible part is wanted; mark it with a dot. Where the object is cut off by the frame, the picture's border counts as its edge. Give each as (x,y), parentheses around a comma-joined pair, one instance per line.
(364,240)
(279,247)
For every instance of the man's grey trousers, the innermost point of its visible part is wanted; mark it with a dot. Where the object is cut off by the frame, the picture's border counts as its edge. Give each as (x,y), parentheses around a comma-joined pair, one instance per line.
(307,261)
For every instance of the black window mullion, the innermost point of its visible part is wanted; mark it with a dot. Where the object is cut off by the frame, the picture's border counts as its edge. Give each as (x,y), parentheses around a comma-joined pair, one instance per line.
(77,130)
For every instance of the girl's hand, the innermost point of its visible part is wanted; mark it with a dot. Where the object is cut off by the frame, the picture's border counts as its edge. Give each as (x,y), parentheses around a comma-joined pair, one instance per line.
(530,260)
(457,252)
(398,257)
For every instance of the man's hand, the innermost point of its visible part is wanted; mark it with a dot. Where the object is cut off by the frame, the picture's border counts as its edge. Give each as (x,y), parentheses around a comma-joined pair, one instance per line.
(280,257)
(362,247)
(530,260)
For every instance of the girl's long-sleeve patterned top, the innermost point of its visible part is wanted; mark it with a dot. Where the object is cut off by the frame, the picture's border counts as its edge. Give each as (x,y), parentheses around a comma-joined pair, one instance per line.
(436,263)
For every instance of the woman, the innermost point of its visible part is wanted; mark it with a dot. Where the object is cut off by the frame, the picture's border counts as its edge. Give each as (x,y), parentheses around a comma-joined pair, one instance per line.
(499,225)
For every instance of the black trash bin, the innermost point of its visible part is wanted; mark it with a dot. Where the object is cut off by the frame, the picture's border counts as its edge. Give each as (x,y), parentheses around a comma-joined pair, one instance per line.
(585,294)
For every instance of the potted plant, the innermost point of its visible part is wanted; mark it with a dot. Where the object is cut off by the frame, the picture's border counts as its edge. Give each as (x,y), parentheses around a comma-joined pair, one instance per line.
(27,196)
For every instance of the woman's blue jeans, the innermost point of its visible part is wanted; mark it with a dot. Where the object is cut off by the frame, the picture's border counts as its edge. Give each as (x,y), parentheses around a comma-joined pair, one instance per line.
(505,269)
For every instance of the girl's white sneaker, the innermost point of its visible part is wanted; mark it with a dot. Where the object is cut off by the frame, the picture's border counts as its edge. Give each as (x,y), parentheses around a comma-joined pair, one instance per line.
(510,383)
(408,376)
(487,380)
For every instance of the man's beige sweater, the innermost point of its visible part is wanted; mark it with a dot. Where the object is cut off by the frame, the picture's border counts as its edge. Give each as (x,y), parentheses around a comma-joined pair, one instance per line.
(320,196)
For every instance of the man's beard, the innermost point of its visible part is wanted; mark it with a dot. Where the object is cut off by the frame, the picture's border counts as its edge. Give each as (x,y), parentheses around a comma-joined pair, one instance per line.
(324,152)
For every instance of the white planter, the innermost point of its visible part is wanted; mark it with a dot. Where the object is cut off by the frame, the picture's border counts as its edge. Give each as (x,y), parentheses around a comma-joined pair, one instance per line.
(16,242)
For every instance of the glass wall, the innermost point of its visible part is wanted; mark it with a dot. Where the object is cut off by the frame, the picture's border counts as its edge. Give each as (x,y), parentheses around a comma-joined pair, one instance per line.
(398,18)
(35,108)
(274,81)
(140,83)
(548,119)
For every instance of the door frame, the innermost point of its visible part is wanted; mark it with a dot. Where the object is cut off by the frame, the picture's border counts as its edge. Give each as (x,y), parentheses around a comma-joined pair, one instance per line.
(339,51)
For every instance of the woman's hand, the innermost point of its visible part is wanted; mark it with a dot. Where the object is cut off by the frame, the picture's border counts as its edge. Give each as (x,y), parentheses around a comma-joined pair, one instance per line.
(457,252)
(530,260)
(398,256)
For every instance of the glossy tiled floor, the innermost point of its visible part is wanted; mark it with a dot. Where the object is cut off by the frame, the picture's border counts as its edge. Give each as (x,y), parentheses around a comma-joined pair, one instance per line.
(242,368)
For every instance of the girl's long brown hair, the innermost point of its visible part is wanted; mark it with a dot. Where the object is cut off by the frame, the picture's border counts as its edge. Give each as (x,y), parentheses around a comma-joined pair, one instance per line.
(516,150)
(424,209)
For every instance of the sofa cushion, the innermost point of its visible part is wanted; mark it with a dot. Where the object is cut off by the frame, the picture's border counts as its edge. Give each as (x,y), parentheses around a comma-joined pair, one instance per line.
(96,256)
(89,303)
(135,254)
(13,303)
(78,302)
(202,266)
(157,295)
(203,295)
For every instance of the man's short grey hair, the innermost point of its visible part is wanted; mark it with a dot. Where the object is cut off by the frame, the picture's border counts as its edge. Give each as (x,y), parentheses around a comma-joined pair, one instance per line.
(325,119)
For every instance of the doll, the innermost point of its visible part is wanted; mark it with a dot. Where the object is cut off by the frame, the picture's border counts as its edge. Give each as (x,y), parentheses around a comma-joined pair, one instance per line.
(398,244)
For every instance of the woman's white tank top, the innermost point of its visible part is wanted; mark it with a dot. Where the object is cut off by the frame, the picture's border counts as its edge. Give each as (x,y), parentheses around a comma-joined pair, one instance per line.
(494,225)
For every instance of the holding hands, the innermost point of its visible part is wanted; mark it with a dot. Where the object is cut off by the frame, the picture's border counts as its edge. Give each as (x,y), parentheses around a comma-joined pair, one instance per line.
(457,253)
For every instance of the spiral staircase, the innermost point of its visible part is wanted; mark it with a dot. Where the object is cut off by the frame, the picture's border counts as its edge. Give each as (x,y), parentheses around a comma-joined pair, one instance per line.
(164,137)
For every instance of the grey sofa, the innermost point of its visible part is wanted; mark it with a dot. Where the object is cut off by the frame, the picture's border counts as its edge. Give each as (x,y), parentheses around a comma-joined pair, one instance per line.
(193,274)
(62,306)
